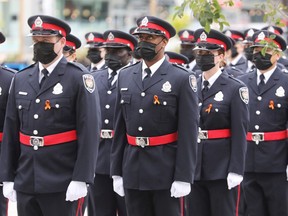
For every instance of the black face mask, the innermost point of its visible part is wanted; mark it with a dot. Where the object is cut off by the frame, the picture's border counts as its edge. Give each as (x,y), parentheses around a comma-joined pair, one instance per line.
(147,50)
(113,61)
(234,52)
(44,52)
(262,62)
(136,54)
(188,53)
(94,55)
(248,53)
(205,62)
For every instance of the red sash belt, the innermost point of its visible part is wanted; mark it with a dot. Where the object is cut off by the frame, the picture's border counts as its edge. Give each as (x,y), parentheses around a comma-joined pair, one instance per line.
(266,136)
(214,134)
(49,140)
(152,141)
(1,136)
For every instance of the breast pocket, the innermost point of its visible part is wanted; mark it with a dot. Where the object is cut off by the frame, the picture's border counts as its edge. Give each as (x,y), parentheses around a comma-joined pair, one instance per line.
(126,104)
(59,112)
(165,107)
(23,107)
(277,110)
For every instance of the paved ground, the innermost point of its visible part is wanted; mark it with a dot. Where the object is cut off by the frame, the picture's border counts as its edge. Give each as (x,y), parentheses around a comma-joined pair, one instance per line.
(12,211)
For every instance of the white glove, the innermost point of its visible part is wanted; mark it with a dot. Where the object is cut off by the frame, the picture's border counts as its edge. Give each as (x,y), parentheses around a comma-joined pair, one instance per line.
(9,192)
(180,189)
(76,190)
(287,172)
(118,185)
(233,180)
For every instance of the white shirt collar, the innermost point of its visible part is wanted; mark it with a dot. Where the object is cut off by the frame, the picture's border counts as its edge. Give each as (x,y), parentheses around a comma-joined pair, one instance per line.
(153,68)
(212,79)
(50,68)
(99,65)
(267,75)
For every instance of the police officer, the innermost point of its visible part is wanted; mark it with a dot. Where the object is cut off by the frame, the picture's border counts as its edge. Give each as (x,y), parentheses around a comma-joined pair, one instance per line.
(177,58)
(154,146)
(95,52)
(50,134)
(6,76)
(72,44)
(102,199)
(248,51)
(187,45)
(265,180)
(222,134)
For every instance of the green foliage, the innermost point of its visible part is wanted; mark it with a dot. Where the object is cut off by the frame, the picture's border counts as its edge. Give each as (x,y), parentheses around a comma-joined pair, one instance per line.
(268,44)
(206,12)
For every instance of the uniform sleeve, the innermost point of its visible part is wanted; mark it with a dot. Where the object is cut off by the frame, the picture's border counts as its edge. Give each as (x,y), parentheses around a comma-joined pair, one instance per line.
(187,131)
(239,127)
(10,146)
(120,139)
(88,130)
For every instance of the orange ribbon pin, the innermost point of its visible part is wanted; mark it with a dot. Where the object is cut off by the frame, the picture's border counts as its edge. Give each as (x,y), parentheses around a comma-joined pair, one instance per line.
(156,100)
(47,105)
(271,104)
(209,108)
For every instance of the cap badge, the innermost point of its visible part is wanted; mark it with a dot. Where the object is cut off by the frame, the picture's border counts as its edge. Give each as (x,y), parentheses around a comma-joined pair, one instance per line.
(193,82)
(38,22)
(219,96)
(250,33)
(203,36)
(280,92)
(271,29)
(58,89)
(228,33)
(111,36)
(244,94)
(261,36)
(166,87)
(185,34)
(144,22)
(90,37)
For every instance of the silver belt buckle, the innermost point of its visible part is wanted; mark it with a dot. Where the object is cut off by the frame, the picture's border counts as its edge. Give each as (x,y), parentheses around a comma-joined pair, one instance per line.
(36,142)
(142,141)
(257,137)
(106,134)
(202,134)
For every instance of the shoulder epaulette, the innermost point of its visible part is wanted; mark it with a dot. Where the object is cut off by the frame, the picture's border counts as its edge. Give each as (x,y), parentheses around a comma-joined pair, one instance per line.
(78,65)
(29,66)
(179,66)
(8,69)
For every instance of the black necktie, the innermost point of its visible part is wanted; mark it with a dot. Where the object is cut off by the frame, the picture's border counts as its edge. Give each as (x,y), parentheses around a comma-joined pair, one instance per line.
(148,75)
(206,88)
(111,78)
(94,69)
(45,73)
(262,83)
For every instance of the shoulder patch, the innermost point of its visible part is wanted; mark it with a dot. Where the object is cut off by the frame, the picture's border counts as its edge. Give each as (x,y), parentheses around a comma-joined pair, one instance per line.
(89,82)
(193,82)
(244,94)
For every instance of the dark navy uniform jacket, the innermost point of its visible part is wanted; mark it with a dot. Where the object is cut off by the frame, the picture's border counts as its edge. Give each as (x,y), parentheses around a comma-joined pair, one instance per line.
(155,167)
(228,110)
(107,102)
(73,106)
(242,64)
(267,156)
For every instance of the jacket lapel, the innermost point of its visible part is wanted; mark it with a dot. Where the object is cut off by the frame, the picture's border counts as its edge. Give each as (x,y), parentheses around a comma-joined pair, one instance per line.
(138,76)
(271,82)
(34,78)
(253,82)
(216,87)
(104,79)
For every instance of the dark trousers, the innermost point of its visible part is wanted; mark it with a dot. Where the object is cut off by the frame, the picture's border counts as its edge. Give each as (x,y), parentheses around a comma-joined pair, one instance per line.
(50,204)
(152,203)
(102,200)
(3,203)
(266,194)
(212,198)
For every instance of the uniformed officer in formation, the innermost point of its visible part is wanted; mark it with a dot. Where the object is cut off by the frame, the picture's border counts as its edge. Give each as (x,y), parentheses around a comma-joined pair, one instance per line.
(6,76)
(248,51)
(50,134)
(72,44)
(154,147)
(102,198)
(223,110)
(265,180)
(95,52)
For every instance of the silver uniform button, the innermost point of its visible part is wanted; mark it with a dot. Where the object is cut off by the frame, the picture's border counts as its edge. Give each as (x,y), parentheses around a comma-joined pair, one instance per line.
(200,104)
(258,112)
(143,94)
(37,100)
(36,116)
(259,98)
(35,132)
(20,107)
(279,105)
(164,103)
(57,106)
(122,101)
(141,110)
(216,110)
(106,121)
(257,127)
(109,92)
(140,128)
(107,106)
